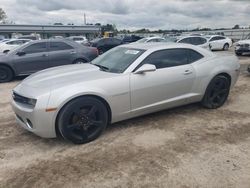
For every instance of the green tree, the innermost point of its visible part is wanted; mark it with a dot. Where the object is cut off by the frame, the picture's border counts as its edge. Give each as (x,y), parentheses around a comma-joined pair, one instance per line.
(236,27)
(2,15)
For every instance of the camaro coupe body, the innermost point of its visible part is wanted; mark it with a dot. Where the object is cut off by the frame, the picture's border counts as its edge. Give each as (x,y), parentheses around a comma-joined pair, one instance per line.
(78,101)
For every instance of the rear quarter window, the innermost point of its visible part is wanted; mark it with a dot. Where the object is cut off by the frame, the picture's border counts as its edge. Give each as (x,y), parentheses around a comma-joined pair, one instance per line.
(194,56)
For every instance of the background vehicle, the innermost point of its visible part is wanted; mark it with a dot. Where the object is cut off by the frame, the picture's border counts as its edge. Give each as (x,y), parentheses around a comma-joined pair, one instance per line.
(30,37)
(151,39)
(108,34)
(195,40)
(42,54)
(130,38)
(125,82)
(105,44)
(242,47)
(217,42)
(79,39)
(8,45)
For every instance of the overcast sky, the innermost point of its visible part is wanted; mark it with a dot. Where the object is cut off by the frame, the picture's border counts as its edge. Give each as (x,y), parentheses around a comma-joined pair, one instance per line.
(132,14)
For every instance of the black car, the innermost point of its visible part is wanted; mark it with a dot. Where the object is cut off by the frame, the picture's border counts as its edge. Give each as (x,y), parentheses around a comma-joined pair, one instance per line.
(41,54)
(130,38)
(105,44)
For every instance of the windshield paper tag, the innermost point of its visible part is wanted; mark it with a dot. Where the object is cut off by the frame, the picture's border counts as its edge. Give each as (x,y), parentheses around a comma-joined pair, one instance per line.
(133,52)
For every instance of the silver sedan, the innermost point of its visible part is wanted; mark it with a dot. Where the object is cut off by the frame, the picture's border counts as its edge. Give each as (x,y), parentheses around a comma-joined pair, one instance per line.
(79,101)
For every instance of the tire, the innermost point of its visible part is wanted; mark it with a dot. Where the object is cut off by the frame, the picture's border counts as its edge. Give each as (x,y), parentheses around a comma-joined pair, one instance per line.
(82,120)
(216,93)
(79,61)
(6,74)
(226,47)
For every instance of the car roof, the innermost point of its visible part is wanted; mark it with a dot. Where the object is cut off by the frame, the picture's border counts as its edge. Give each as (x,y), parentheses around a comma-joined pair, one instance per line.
(148,46)
(55,40)
(154,38)
(16,40)
(182,37)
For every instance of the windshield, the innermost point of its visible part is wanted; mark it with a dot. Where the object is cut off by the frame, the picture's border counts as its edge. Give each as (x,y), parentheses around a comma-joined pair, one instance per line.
(118,59)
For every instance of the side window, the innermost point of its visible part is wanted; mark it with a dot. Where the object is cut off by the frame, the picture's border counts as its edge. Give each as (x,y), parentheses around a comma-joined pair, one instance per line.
(186,40)
(217,38)
(194,56)
(168,58)
(198,41)
(109,41)
(116,41)
(221,38)
(23,41)
(160,40)
(153,40)
(14,42)
(57,46)
(101,42)
(35,48)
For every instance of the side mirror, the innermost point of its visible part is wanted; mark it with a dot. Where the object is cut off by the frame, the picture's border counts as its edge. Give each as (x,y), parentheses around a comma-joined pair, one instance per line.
(21,53)
(145,68)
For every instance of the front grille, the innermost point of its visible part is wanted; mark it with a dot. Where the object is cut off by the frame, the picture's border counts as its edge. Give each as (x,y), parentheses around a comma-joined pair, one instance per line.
(244,45)
(20,99)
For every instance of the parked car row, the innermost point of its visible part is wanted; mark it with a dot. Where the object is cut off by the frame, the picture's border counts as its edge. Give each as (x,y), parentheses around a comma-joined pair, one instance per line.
(41,54)
(7,45)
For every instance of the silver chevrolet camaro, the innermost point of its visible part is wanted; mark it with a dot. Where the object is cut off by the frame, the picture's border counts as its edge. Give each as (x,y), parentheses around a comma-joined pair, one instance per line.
(78,101)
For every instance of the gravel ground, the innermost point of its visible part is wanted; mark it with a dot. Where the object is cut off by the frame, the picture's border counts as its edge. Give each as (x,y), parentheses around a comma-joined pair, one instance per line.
(183,147)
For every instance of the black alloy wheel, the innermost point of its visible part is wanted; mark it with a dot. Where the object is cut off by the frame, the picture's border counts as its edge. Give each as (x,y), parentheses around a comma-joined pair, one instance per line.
(83,120)
(217,92)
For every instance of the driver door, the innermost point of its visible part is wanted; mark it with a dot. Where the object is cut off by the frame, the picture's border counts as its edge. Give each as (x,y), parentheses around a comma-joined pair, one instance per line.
(167,86)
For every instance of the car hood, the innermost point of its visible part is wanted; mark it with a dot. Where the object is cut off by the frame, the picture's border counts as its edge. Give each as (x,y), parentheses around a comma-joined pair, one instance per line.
(244,41)
(66,75)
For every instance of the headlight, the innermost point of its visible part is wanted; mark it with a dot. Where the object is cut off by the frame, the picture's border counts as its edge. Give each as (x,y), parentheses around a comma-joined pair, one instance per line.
(24,100)
(31,102)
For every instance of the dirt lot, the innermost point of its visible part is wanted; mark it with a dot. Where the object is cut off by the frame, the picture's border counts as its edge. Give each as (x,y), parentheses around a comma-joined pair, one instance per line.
(183,147)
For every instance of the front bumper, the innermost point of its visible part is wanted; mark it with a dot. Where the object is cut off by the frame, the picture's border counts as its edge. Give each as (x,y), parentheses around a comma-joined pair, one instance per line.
(242,49)
(36,119)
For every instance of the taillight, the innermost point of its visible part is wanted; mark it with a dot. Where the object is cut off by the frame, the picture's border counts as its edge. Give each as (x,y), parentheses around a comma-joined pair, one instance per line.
(96,51)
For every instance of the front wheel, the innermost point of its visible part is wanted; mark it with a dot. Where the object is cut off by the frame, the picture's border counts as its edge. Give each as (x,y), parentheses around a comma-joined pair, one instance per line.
(83,120)
(6,74)
(216,93)
(226,47)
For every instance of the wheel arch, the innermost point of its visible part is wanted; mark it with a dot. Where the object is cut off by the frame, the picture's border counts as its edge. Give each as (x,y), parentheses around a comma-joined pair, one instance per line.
(226,75)
(219,74)
(104,101)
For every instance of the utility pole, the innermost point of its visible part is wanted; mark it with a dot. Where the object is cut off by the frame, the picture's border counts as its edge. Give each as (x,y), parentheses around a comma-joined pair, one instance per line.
(85,22)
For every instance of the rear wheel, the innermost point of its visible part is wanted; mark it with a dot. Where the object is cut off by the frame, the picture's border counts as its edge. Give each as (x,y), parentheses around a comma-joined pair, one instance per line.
(216,92)
(83,120)
(226,47)
(6,74)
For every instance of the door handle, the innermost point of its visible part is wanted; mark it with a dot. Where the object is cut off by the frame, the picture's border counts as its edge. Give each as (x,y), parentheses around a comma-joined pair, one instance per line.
(45,55)
(73,52)
(187,72)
